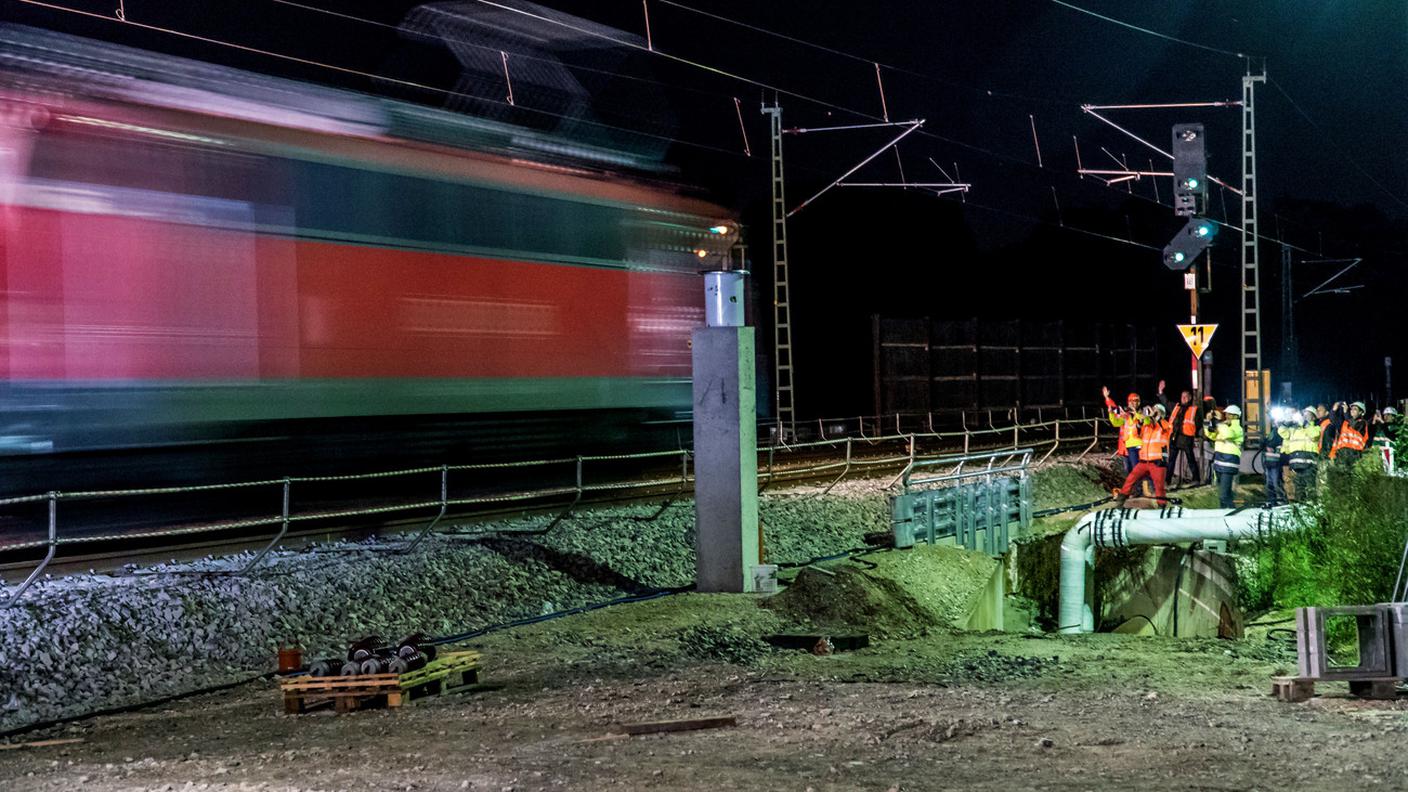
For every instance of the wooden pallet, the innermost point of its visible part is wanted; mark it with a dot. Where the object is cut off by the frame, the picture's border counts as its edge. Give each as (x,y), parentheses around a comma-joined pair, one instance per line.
(1289,688)
(350,693)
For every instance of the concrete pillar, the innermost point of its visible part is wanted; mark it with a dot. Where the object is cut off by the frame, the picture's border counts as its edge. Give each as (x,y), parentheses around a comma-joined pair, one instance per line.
(725,459)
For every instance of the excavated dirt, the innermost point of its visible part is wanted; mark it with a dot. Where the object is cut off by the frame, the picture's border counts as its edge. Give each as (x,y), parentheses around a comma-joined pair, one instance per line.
(895,594)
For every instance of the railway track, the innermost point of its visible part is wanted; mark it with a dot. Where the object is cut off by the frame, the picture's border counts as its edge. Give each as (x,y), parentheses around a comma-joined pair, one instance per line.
(321,509)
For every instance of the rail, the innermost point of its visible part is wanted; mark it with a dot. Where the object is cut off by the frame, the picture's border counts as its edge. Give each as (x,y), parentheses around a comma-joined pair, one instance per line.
(779,460)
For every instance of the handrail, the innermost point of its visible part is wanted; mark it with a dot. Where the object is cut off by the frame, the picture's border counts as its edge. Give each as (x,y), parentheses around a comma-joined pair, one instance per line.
(773,469)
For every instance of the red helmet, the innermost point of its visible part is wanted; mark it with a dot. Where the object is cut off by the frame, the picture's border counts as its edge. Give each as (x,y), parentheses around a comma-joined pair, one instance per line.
(1132,397)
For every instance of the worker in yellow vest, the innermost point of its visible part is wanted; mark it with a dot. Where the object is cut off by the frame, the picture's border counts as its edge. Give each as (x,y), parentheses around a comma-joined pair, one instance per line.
(1225,432)
(1154,439)
(1302,453)
(1130,423)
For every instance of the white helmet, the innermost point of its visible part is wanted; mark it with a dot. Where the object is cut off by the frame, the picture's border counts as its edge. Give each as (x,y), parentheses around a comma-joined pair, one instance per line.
(1233,409)
(1390,411)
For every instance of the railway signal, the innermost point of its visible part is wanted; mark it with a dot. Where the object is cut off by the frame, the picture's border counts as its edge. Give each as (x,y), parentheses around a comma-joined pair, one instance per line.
(1195,237)
(1190,169)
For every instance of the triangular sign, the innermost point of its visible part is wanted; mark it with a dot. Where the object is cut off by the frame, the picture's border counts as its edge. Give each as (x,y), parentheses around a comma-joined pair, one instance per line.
(1198,337)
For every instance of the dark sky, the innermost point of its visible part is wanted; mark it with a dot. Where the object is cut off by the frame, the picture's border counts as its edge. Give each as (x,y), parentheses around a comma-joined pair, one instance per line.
(980,74)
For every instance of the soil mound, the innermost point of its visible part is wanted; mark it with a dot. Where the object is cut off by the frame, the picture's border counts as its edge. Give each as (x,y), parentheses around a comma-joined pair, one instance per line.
(895,594)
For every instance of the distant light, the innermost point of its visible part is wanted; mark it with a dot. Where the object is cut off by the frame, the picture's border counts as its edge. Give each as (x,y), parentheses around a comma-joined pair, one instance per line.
(718,229)
(1203,230)
(1191,183)
(1178,257)
(701,252)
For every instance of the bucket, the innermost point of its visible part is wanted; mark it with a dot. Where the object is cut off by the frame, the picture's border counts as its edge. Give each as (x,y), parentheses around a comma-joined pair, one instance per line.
(290,659)
(765,578)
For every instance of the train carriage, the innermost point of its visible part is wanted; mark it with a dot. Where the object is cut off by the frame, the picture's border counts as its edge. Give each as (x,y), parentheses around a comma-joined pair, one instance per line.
(195,256)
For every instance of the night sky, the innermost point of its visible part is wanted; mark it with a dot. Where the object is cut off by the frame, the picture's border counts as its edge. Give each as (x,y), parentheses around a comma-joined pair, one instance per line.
(980,74)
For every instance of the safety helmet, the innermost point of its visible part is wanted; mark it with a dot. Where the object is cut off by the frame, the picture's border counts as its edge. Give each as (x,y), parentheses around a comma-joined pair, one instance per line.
(1160,409)
(1309,412)
(1360,405)
(1233,409)
(1390,411)
(1132,397)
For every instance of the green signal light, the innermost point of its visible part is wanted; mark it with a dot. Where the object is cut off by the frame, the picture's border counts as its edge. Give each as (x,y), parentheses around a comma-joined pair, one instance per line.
(1179,257)
(1203,230)
(1191,183)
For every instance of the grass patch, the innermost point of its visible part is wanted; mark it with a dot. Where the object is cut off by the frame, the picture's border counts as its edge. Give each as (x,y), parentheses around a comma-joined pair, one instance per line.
(1345,550)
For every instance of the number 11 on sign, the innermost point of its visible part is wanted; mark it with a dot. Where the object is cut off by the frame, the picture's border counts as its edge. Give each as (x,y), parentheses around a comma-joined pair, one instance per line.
(1197,336)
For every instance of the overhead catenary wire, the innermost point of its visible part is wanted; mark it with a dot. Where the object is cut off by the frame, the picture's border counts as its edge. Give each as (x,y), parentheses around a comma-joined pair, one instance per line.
(927,133)
(1149,32)
(360,73)
(449,92)
(484,47)
(1335,143)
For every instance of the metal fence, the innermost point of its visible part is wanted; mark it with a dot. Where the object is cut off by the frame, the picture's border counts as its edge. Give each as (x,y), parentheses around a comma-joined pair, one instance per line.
(871,444)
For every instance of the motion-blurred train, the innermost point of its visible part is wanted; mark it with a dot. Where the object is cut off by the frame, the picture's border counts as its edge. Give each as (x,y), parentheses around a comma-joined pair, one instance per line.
(195,257)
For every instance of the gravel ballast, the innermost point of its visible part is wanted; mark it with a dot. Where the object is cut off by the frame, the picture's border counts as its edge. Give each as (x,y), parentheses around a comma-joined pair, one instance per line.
(86,643)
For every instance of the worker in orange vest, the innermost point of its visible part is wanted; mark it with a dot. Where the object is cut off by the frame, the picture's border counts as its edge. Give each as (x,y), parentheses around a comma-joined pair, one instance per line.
(1187,420)
(1130,422)
(1351,435)
(1154,439)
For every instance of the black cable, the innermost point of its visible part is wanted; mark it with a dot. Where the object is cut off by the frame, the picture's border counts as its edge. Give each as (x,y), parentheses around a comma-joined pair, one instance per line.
(1152,626)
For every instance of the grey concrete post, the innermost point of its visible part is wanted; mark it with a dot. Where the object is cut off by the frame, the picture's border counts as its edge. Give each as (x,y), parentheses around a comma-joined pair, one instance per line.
(725,459)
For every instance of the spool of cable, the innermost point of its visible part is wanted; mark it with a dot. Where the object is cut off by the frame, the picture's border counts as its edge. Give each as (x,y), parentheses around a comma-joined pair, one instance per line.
(364,647)
(396,665)
(351,668)
(326,667)
(374,665)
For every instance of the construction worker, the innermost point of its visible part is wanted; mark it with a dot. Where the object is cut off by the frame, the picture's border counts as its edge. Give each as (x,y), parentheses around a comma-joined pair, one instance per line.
(1302,453)
(1187,418)
(1130,422)
(1225,432)
(1272,459)
(1351,434)
(1327,438)
(1386,426)
(1154,439)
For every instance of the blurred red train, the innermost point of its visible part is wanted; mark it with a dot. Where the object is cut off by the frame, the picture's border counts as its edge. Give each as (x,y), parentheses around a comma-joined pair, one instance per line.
(193,255)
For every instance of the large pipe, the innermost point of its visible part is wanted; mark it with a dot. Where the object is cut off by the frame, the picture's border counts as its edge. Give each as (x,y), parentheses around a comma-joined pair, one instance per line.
(1125,527)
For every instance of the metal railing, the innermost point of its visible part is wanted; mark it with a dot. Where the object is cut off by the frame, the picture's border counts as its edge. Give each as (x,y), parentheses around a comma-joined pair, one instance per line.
(971,498)
(778,461)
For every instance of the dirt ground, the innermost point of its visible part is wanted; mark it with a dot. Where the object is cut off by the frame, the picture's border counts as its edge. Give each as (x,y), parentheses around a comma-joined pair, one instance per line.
(944,710)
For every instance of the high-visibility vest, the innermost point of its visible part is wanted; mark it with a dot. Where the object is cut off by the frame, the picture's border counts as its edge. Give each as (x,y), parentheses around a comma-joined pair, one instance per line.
(1153,441)
(1301,440)
(1348,438)
(1320,440)
(1129,432)
(1190,423)
(1227,446)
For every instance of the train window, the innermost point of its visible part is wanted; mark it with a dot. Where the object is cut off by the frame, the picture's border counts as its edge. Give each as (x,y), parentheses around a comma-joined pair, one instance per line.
(404,209)
(137,163)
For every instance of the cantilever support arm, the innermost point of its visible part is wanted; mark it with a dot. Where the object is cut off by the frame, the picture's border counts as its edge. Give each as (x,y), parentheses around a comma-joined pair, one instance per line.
(911,126)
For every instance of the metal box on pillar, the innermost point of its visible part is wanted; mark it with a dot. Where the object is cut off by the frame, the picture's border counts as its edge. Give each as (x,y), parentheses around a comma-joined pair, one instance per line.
(725,440)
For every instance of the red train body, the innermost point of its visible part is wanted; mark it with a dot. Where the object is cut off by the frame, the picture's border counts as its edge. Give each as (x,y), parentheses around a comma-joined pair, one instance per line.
(193,258)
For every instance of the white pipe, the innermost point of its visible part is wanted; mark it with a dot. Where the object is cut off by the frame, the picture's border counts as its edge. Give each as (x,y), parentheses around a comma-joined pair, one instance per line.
(1125,527)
